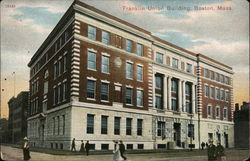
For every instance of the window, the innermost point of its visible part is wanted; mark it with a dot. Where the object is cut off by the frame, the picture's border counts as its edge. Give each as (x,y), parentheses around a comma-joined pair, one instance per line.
(139,49)
(160,128)
(56,47)
(206,91)
(129,96)
(129,46)
(105,37)
(158,82)
(227,96)
(217,112)
(188,106)
(128,126)
(104,91)
(54,126)
(104,125)
(139,73)
(174,104)
(91,32)
(64,89)
(45,90)
(55,95)
(209,111)
(187,89)
(55,69)
(105,64)
(91,60)
(104,146)
(140,146)
(46,74)
(90,124)
(225,113)
(211,92)
(191,130)
(206,73)
(174,86)
(58,125)
(139,127)
(217,77)
(159,58)
(175,63)
(63,124)
(158,102)
(59,88)
(90,89)
(129,70)
(211,75)
(66,36)
(130,146)
(139,98)
(64,66)
(222,95)
(226,80)
(189,68)
(222,78)
(117,126)
(217,96)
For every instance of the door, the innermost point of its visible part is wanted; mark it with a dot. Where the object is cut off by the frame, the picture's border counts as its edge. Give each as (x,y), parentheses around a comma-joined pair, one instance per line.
(177,134)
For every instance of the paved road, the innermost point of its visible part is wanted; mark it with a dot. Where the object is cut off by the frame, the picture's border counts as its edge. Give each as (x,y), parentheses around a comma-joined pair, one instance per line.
(14,154)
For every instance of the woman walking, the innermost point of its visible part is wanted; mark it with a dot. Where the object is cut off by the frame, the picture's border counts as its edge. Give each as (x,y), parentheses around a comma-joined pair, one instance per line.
(117,154)
(26,152)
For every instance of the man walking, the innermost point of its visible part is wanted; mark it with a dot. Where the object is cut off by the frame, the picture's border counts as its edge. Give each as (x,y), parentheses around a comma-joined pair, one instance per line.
(87,148)
(73,145)
(202,145)
(211,151)
(122,149)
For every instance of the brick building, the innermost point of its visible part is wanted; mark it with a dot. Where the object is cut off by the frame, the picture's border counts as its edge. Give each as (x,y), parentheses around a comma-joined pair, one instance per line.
(17,123)
(99,78)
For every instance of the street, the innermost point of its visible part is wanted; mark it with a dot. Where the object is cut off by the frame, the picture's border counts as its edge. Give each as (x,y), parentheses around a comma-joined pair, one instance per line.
(15,154)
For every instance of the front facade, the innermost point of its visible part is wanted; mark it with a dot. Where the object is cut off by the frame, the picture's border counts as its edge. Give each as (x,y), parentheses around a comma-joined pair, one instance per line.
(17,123)
(99,78)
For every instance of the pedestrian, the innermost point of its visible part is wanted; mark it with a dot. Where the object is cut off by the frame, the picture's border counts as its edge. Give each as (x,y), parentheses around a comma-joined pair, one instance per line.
(73,145)
(87,147)
(122,150)
(26,152)
(82,148)
(202,145)
(116,152)
(220,152)
(211,151)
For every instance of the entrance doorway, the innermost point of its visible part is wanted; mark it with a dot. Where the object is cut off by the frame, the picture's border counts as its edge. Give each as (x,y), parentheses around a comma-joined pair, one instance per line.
(226,140)
(177,134)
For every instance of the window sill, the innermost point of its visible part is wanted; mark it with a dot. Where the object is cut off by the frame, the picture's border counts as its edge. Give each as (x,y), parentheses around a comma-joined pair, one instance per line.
(105,72)
(105,101)
(92,69)
(139,106)
(91,99)
(129,104)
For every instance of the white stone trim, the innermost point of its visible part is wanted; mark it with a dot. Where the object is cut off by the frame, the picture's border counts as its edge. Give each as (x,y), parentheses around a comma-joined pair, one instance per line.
(91,78)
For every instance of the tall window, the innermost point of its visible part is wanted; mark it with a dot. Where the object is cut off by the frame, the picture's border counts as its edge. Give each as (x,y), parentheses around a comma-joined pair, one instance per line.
(139,73)
(217,112)
(129,70)
(222,78)
(91,89)
(175,63)
(158,101)
(174,104)
(104,91)
(189,68)
(90,124)
(104,125)
(59,88)
(105,37)
(45,91)
(159,58)
(91,32)
(217,96)
(58,125)
(160,128)
(226,80)
(158,82)
(216,76)
(129,46)
(227,96)
(139,49)
(222,95)
(206,73)
(187,89)
(105,64)
(91,60)
(128,126)
(129,96)
(139,98)
(117,126)
(139,127)
(64,86)
(174,86)
(211,75)
(225,113)
(64,63)
(211,92)
(206,90)
(63,124)
(209,111)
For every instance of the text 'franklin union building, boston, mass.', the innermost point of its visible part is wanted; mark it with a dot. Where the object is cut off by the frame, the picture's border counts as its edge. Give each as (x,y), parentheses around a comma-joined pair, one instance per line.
(99,78)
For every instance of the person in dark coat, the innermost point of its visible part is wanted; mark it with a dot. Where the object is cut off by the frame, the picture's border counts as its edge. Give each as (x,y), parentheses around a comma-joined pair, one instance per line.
(122,150)
(82,149)
(87,147)
(73,145)
(202,145)
(26,152)
(220,152)
(211,151)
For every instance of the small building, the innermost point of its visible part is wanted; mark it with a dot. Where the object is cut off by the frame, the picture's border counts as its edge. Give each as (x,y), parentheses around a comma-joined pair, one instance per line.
(17,124)
(241,125)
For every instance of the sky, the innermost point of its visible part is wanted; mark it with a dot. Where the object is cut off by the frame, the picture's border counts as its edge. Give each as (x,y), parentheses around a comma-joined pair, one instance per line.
(218,29)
